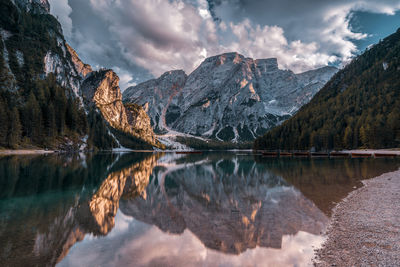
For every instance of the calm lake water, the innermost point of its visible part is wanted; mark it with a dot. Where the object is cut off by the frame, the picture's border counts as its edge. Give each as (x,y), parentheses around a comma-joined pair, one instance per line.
(163,209)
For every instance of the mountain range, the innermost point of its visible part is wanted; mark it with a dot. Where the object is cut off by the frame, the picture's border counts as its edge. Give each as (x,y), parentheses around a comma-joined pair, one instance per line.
(227,98)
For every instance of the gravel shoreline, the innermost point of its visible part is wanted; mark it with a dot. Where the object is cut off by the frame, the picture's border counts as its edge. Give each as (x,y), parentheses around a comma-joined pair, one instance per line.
(365,227)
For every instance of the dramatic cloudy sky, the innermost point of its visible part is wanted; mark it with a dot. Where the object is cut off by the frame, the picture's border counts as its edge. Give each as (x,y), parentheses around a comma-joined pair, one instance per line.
(141,39)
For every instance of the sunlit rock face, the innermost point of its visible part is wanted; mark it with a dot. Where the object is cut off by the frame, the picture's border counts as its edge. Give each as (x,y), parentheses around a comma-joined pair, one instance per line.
(140,123)
(101,88)
(82,68)
(61,61)
(228,97)
(230,207)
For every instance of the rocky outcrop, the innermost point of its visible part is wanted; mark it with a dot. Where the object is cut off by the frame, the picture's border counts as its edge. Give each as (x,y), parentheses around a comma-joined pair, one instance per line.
(82,68)
(140,122)
(63,69)
(55,61)
(101,88)
(228,97)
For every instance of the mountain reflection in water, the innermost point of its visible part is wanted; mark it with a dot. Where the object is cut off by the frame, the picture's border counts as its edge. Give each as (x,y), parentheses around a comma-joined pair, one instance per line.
(164,209)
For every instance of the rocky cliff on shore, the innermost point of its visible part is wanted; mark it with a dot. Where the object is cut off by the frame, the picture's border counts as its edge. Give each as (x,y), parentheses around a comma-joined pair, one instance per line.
(101,89)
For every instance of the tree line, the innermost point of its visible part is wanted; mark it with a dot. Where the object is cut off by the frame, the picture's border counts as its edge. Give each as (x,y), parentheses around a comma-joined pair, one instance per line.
(34,109)
(45,116)
(358,108)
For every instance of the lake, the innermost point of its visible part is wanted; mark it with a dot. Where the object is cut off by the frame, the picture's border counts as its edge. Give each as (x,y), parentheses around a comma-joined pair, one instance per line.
(167,209)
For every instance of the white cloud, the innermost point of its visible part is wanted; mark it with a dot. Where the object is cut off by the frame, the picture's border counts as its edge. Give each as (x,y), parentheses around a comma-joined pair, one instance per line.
(270,41)
(308,34)
(160,35)
(125,78)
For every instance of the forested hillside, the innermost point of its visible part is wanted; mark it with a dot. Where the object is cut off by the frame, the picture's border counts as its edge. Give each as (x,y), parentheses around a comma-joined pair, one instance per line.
(358,108)
(35,110)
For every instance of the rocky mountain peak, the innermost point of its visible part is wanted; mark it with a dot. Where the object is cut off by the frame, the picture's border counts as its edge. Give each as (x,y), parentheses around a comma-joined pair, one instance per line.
(101,88)
(268,64)
(172,74)
(227,97)
(82,68)
(222,59)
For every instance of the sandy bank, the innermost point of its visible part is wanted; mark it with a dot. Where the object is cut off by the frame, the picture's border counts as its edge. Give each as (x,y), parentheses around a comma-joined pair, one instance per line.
(365,229)
(373,151)
(25,152)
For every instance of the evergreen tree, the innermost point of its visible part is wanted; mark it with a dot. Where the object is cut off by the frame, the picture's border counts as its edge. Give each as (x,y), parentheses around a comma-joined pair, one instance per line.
(358,107)
(14,133)
(348,138)
(71,117)
(3,123)
(50,123)
(32,118)
(60,101)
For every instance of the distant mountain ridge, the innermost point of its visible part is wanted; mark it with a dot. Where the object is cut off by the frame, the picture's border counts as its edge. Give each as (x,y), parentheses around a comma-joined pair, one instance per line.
(358,107)
(227,98)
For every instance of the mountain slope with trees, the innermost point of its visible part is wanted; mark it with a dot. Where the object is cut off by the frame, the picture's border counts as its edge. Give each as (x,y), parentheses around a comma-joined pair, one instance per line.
(35,110)
(358,108)
(41,100)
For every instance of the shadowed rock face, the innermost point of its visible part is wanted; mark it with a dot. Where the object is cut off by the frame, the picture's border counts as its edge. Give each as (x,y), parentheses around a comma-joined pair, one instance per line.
(228,97)
(157,96)
(230,207)
(38,6)
(101,88)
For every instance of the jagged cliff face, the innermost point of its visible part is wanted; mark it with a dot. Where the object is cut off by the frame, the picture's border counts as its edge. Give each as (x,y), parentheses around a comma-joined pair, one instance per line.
(101,88)
(82,68)
(228,97)
(139,122)
(156,96)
